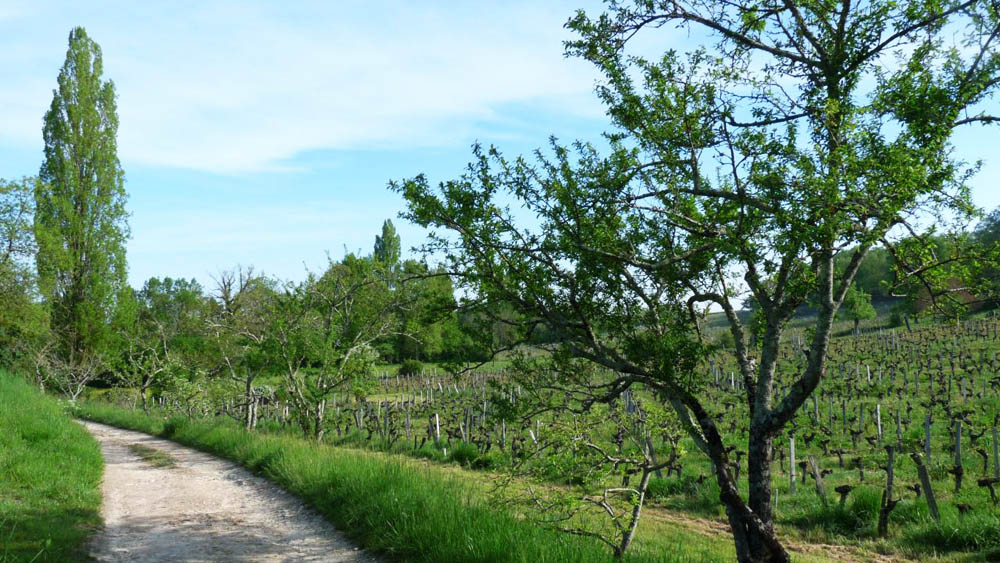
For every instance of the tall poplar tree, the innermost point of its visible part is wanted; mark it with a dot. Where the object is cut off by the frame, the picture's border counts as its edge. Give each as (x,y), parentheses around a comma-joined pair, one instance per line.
(387,245)
(80,219)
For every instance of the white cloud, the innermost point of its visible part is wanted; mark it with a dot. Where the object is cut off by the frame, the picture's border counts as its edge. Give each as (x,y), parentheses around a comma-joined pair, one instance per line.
(239,87)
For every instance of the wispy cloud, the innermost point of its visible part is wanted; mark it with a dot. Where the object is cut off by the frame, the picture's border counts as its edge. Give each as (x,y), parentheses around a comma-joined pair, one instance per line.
(237,87)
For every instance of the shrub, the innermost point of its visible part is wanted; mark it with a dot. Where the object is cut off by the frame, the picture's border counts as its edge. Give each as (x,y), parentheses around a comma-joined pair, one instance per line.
(411,368)
(491,461)
(464,453)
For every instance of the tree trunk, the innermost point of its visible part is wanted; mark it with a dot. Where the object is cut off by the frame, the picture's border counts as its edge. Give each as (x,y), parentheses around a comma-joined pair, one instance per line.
(760,452)
(320,416)
(629,532)
(754,543)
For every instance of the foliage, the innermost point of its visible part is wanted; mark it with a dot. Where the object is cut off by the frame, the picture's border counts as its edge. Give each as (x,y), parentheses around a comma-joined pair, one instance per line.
(80,218)
(987,235)
(163,333)
(411,368)
(428,328)
(875,274)
(988,230)
(757,159)
(23,322)
(387,246)
(857,306)
(321,335)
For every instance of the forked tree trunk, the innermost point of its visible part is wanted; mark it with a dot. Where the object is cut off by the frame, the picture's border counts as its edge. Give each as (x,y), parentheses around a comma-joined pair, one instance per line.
(761,450)
(753,544)
(752,524)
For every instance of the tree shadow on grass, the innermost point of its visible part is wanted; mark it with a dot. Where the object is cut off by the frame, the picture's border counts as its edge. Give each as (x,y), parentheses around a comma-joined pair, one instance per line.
(45,535)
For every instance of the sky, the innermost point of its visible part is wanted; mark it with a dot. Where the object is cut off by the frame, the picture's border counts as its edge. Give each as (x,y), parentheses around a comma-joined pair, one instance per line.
(265,133)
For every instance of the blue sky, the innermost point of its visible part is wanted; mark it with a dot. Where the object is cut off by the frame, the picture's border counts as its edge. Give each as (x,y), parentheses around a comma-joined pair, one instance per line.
(255,133)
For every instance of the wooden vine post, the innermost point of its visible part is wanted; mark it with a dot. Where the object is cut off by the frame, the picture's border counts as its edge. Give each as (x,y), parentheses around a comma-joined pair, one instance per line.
(887,502)
(958,470)
(818,478)
(927,437)
(996,451)
(925,483)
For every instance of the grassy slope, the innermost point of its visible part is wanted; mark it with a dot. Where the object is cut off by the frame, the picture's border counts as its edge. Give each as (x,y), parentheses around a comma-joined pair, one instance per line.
(50,472)
(409,510)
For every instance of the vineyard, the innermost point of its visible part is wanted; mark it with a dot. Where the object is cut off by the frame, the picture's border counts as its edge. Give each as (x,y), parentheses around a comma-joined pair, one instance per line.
(752,300)
(898,446)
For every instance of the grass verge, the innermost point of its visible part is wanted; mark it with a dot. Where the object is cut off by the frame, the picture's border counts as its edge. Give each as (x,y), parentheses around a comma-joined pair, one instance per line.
(50,474)
(390,505)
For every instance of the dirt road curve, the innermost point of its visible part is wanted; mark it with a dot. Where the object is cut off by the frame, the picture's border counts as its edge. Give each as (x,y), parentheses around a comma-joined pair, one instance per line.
(202,509)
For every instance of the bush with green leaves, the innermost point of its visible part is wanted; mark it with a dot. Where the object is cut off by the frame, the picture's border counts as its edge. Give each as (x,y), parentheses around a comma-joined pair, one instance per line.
(411,368)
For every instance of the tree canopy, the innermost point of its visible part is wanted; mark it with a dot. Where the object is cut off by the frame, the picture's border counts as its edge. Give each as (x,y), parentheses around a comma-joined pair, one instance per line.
(387,245)
(80,219)
(799,132)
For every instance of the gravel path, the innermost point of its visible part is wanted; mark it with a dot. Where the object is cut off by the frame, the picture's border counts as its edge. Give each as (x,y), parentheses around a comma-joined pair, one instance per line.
(202,509)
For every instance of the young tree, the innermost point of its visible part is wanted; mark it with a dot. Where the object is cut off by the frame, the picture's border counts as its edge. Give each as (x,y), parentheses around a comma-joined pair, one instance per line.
(321,335)
(426,303)
(604,455)
(798,131)
(239,329)
(163,331)
(857,306)
(80,218)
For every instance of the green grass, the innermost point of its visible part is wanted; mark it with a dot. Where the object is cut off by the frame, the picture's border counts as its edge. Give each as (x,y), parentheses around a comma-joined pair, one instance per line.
(153,456)
(50,473)
(960,358)
(398,507)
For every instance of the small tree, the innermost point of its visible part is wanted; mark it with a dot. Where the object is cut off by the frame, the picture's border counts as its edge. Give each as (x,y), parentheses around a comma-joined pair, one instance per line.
(163,328)
(602,457)
(321,335)
(239,329)
(857,306)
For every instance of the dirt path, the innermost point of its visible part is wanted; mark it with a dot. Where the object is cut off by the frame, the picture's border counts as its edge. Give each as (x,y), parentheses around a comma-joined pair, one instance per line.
(202,509)
(831,552)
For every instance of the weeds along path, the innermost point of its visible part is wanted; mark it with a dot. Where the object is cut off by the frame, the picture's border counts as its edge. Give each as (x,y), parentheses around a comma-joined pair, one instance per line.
(166,502)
